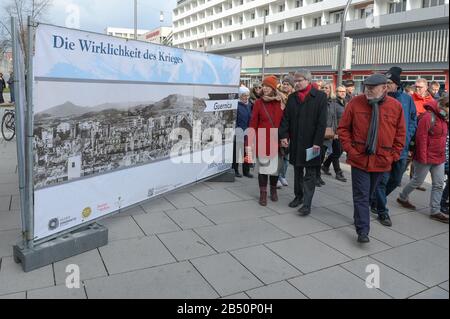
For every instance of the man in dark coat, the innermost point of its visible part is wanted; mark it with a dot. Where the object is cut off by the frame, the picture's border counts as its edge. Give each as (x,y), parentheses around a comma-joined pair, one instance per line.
(304,123)
(2,87)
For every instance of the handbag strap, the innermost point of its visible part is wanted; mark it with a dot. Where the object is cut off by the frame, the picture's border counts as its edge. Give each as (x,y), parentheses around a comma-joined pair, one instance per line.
(268,115)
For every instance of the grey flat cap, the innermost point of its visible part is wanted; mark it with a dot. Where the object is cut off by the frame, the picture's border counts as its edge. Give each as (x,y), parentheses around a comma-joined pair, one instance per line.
(375,79)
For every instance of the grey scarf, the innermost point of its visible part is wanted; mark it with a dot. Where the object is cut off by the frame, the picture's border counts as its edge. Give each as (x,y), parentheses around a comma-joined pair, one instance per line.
(372,136)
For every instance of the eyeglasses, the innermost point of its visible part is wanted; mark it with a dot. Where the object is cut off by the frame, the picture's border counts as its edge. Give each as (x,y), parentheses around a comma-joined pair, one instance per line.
(341,91)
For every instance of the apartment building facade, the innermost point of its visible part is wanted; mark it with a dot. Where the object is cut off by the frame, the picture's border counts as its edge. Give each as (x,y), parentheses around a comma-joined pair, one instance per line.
(413,34)
(125,33)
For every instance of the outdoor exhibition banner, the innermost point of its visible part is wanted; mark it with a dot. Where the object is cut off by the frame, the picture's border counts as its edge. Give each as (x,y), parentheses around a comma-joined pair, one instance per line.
(117,122)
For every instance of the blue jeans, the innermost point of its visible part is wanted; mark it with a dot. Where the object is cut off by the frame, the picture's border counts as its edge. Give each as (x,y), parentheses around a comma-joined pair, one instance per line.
(363,186)
(284,167)
(390,181)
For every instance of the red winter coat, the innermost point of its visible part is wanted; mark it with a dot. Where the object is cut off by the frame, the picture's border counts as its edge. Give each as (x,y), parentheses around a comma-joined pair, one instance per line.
(259,120)
(354,127)
(431,141)
(420,102)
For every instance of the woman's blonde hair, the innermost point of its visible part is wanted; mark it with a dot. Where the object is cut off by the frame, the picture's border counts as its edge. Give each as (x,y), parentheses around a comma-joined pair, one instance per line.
(332,92)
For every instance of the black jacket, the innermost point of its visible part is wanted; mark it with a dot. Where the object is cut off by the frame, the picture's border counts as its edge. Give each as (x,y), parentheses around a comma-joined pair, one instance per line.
(305,124)
(2,84)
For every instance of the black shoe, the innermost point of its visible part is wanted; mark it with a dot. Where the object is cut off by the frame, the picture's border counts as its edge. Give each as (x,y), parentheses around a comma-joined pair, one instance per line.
(296,202)
(326,170)
(248,175)
(321,181)
(364,239)
(374,210)
(318,184)
(385,220)
(340,177)
(237,174)
(304,211)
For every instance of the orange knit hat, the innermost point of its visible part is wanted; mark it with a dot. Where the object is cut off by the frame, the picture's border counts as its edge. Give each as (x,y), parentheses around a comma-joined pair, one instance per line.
(271,81)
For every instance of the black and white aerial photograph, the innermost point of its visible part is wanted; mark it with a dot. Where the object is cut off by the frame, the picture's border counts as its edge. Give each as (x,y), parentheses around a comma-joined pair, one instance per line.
(86,130)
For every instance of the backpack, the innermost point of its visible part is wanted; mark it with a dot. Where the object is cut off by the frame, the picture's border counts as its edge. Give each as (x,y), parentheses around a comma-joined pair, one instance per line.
(412,144)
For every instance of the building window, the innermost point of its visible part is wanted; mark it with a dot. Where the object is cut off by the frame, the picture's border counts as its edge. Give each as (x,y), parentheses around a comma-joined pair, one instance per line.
(241,20)
(241,36)
(316,1)
(230,38)
(298,25)
(252,16)
(337,16)
(266,31)
(432,3)
(317,22)
(252,34)
(266,12)
(241,2)
(397,7)
(281,8)
(281,28)
(299,3)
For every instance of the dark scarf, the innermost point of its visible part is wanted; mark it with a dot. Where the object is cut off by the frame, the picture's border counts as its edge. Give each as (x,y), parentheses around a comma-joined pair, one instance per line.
(372,136)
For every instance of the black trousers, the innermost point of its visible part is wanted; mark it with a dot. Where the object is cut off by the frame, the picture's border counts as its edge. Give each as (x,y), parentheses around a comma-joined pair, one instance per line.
(245,166)
(335,156)
(305,183)
(323,152)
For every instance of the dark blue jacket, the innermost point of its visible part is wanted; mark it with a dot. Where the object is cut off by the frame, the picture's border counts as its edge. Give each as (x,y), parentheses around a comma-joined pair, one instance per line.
(244,113)
(409,109)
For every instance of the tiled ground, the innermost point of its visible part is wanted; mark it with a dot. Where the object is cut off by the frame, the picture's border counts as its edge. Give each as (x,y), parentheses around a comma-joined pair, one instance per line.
(213,240)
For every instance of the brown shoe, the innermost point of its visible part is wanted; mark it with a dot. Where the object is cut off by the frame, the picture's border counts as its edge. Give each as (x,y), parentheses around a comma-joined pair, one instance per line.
(440,218)
(263,197)
(273,194)
(406,204)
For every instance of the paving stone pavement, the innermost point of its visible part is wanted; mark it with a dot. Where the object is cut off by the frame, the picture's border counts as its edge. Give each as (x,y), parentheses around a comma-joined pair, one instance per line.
(213,240)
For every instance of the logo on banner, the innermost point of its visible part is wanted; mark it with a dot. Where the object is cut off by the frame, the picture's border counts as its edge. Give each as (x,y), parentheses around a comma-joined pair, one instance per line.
(86,212)
(53,224)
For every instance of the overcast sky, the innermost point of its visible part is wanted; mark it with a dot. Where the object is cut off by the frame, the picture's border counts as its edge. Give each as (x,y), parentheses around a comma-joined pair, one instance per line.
(96,15)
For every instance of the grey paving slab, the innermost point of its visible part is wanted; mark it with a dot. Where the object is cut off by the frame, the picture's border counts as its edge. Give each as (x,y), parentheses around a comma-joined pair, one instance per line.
(156,223)
(337,192)
(330,218)
(335,283)
(121,228)
(137,210)
(9,189)
(8,238)
(421,261)
(440,240)
(174,281)
(392,282)
(232,212)
(279,290)
(157,205)
(296,225)
(307,254)
(433,293)
(186,245)
(418,226)
(245,192)
(235,296)
(321,199)
(240,234)
(19,295)
(387,235)
(444,285)
(226,274)
(10,220)
(5,202)
(344,240)
(344,209)
(183,200)
(188,218)
(137,253)
(15,203)
(221,185)
(216,196)
(57,292)
(264,264)
(8,178)
(89,263)
(13,279)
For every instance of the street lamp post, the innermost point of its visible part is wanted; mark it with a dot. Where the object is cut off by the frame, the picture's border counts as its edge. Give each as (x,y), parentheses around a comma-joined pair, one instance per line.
(264,48)
(342,40)
(135,19)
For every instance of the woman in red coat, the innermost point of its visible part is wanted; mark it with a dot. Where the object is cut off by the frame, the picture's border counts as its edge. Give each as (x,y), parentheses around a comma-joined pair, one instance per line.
(431,138)
(265,121)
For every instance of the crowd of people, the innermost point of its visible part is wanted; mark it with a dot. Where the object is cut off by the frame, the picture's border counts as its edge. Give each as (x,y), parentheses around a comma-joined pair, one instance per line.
(383,131)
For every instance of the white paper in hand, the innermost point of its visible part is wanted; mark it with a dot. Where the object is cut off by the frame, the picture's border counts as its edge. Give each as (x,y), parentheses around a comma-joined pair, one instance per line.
(310,154)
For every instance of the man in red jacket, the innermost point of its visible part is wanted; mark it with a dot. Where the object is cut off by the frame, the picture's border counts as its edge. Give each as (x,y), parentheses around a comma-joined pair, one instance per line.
(373,133)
